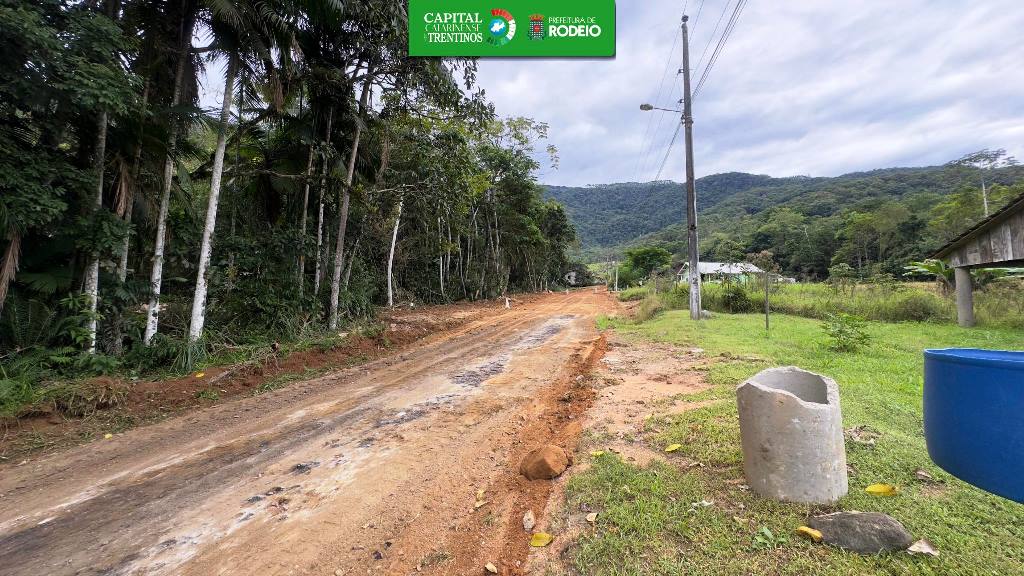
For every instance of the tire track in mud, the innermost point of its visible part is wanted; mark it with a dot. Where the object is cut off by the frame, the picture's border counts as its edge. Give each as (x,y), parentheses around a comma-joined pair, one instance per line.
(564,402)
(119,529)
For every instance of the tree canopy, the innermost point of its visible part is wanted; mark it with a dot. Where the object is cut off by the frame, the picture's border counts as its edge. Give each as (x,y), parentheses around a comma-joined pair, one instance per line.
(336,174)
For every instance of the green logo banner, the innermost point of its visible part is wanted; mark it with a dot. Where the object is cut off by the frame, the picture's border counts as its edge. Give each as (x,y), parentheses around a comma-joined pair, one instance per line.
(543,28)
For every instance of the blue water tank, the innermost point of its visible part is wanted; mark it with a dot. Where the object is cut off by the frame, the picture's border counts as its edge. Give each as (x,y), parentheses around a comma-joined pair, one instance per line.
(974,417)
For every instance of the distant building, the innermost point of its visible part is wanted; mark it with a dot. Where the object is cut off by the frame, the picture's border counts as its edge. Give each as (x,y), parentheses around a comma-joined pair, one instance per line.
(996,241)
(740,271)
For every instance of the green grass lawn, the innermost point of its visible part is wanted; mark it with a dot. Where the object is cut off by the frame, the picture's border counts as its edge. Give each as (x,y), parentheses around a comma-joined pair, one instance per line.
(652,520)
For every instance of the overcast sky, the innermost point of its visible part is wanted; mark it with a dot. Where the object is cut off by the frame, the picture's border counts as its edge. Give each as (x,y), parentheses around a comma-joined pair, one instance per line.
(811,87)
(815,87)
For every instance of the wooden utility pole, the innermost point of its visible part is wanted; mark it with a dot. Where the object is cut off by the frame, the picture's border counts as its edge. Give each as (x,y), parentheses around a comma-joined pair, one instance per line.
(691,193)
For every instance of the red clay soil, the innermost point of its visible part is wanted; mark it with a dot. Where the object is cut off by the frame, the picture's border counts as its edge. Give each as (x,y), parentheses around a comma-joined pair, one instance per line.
(369,469)
(47,427)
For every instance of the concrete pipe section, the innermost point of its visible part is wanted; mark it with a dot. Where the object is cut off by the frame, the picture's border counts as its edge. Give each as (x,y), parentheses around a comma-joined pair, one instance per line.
(792,432)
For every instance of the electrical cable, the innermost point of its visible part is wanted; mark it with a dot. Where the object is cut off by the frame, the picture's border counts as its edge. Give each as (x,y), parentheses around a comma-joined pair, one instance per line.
(729,27)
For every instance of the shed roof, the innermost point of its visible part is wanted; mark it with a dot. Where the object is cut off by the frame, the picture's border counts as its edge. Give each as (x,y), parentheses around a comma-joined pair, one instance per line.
(724,268)
(998,217)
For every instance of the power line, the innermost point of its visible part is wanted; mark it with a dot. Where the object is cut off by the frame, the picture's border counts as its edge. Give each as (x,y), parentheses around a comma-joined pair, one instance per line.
(672,91)
(729,27)
(667,152)
(700,8)
(645,148)
(725,8)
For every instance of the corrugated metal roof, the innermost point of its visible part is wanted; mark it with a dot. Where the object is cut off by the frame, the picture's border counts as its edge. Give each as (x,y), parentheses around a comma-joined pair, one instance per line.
(724,268)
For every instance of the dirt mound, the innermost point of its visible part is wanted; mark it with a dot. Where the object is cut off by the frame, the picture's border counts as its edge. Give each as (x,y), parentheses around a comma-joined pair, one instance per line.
(544,463)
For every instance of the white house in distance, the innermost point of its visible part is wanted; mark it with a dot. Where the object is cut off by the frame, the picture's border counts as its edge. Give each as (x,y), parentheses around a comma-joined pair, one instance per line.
(739,271)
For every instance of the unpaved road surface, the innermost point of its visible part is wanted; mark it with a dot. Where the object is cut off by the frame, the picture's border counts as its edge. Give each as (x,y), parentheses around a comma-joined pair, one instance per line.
(374,469)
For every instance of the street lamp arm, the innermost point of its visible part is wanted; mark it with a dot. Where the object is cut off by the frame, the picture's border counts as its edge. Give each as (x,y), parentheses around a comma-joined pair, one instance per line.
(648,108)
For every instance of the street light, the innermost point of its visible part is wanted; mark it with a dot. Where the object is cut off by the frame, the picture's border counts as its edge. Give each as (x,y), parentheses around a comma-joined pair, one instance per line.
(649,107)
(691,193)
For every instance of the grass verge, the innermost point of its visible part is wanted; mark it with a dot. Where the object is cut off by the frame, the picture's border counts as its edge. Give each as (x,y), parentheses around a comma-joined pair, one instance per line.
(658,520)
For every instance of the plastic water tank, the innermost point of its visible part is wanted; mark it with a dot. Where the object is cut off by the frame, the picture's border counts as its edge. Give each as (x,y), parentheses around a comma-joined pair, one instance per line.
(974,417)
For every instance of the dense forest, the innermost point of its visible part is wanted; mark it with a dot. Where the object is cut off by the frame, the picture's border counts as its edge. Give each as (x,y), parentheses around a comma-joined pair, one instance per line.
(875,222)
(336,174)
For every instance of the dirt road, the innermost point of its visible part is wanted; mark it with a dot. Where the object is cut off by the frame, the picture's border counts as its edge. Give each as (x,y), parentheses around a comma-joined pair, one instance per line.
(374,469)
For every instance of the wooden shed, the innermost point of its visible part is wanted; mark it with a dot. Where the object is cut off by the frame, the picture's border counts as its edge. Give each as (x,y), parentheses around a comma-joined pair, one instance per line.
(996,241)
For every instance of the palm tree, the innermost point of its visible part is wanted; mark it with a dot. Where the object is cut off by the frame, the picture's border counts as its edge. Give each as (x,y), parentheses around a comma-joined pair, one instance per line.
(186,26)
(243,32)
(346,197)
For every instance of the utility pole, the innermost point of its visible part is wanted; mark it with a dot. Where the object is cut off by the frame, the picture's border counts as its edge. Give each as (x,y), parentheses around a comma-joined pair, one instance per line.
(616,264)
(691,193)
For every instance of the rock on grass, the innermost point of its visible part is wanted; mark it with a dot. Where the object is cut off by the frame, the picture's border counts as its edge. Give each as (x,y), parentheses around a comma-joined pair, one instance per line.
(862,532)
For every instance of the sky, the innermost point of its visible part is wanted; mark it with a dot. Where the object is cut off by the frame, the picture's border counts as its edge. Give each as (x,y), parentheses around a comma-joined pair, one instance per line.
(802,87)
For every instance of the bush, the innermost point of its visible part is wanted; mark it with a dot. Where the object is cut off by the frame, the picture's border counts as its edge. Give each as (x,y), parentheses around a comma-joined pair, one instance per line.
(168,352)
(845,332)
(82,399)
(729,297)
(14,393)
(735,299)
(634,294)
(912,306)
(649,308)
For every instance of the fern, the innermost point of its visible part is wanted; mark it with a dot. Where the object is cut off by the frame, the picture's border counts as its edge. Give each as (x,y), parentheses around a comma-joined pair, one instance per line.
(28,323)
(47,283)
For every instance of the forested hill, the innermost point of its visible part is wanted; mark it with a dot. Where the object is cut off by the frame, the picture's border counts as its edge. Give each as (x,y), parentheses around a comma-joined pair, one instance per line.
(740,211)
(610,214)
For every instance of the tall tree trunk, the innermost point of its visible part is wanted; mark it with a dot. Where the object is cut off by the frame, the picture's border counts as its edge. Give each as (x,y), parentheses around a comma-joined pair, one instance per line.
(157,272)
(391,253)
(440,257)
(92,273)
(9,266)
(448,248)
(325,255)
(984,196)
(195,329)
(129,201)
(339,251)
(302,226)
(351,261)
(320,212)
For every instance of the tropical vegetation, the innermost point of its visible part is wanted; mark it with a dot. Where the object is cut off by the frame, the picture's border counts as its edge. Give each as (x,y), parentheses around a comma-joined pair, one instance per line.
(333,175)
(874,222)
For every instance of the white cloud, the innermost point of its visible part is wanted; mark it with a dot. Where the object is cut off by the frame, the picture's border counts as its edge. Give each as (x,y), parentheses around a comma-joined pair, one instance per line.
(820,88)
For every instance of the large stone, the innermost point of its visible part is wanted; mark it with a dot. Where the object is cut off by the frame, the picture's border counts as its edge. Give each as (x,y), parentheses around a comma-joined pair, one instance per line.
(792,434)
(544,463)
(862,532)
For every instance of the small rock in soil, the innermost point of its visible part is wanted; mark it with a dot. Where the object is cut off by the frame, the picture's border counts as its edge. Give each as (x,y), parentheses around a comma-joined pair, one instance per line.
(544,463)
(862,532)
(529,520)
(304,467)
